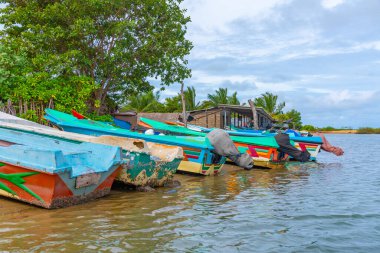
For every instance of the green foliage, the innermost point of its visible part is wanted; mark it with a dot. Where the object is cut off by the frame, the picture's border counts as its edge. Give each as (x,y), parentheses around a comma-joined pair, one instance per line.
(309,128)
(269,102)
(174,104)
(293,115)
(221,97)
(368,130)
(328,128)
(103,118)
(113,47)
(190,99)
(145,102)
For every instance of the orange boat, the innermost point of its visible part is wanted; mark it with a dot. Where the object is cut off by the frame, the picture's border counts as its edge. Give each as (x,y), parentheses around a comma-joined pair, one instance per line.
(52,172)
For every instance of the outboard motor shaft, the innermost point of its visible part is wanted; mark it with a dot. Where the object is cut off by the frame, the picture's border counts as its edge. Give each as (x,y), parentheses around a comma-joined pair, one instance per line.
(224,146)
(283,141)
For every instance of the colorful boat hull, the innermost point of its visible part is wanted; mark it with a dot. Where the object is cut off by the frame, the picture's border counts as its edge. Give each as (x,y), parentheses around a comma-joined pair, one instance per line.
(263,150)
(190,164)
(52,190)
(53,173)
(142,166)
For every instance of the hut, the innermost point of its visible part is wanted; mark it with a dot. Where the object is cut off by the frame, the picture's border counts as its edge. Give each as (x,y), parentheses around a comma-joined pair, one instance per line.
(228,116)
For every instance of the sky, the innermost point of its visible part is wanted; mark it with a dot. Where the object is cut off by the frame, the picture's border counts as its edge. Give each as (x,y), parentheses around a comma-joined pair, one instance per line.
(322,57)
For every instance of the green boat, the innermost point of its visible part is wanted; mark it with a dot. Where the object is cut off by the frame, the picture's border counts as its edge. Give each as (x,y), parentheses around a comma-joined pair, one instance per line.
(197,151)
(144,165)
(263,150)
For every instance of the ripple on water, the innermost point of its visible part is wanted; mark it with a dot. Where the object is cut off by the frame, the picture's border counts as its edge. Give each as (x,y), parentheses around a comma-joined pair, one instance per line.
(329,206)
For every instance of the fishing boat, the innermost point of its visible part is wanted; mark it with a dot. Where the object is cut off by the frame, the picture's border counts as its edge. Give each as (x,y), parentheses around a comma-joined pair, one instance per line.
(51,172)
(143,166)
(197,152)
(263,150)
(312,144)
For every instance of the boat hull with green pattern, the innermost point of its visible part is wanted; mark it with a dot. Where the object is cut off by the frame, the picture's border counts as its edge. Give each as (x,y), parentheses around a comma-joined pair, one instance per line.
(206,163)
(263,150)
(142,166)
(51,172)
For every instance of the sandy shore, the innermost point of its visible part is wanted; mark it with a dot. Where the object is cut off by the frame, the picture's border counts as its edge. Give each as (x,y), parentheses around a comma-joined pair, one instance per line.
(340,132)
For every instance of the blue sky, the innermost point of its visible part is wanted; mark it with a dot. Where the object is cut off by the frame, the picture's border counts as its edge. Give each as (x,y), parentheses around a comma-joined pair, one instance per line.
(322,57)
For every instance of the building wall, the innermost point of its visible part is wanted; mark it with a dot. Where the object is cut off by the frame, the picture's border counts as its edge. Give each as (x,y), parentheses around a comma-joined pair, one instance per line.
(216,119)
(212,120)
(173,117)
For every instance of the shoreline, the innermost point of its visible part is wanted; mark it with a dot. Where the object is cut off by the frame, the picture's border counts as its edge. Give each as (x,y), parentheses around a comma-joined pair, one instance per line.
(351,131)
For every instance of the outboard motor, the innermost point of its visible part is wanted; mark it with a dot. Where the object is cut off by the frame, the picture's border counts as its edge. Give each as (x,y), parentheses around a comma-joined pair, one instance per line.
(283,141)
(224,146)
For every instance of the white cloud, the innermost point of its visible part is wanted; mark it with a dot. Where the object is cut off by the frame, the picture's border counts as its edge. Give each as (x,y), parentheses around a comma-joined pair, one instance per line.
(215,15)
(330,4)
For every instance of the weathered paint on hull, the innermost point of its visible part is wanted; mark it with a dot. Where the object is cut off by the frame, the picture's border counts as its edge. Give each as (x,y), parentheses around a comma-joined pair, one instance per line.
(52,190)
(142,170)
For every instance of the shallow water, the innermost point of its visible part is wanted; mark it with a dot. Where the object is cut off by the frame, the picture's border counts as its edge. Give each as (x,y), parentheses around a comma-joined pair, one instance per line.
(332,206)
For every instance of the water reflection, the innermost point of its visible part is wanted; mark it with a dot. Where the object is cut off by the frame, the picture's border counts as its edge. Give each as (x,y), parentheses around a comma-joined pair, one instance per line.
(131,220)
(288,209)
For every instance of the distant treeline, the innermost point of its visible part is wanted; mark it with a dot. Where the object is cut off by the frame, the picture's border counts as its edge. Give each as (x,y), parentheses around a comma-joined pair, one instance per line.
(368,130)
(362,130)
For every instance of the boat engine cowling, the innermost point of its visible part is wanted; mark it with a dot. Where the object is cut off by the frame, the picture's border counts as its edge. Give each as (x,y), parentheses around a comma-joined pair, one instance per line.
(224,146)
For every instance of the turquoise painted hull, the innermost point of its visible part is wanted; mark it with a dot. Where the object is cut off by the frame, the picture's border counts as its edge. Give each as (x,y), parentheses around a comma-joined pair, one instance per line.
(51,172)
(201,145)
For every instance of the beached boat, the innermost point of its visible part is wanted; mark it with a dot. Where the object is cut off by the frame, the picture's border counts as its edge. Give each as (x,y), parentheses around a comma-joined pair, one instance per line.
(143,166)
(263,150)
(197,152)
(53,173)
(310,143)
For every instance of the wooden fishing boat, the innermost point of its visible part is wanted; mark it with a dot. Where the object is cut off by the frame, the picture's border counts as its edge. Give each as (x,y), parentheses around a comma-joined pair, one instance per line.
(143,166)
(52,173)
(311,144)
(197,152)
(263,150)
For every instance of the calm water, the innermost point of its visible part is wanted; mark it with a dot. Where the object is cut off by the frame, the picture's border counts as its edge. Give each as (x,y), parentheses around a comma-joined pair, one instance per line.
(333,206)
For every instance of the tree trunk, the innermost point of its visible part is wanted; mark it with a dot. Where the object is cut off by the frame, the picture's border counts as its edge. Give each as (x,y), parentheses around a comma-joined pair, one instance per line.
(183,105)
(254,113)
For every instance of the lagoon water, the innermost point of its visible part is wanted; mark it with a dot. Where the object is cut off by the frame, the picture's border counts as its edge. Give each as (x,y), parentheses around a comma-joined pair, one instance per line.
(332,206)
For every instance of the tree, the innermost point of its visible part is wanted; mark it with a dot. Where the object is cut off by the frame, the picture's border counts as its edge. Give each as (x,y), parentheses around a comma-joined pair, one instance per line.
(116,45)
(174,104)
(293,115)
(190,98)
(309,128)
(221,97)
(145,102)
(269,103)
(233,100)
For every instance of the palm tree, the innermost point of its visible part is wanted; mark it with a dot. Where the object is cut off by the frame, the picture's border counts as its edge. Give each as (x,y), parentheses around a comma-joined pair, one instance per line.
(146,102)
(190,99)
(268,101)
(233,100)
(220,97)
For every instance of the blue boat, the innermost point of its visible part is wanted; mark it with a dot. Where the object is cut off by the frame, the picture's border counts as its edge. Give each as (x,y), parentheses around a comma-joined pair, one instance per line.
(198,155)
(53,172)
